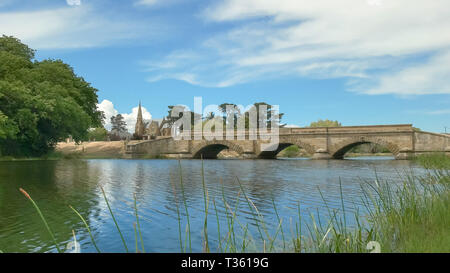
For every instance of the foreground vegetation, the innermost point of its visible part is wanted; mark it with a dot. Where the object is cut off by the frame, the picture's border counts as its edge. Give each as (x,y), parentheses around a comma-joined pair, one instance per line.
(412,217)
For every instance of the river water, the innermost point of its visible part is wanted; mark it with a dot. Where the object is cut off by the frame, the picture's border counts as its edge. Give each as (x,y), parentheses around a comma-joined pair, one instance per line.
(286,183)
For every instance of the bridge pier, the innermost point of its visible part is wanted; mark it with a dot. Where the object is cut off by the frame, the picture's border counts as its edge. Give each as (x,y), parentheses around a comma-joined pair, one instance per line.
(405,154)
(321,154)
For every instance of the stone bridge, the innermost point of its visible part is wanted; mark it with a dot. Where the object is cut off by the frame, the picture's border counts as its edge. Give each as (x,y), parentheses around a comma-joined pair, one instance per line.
(322,143)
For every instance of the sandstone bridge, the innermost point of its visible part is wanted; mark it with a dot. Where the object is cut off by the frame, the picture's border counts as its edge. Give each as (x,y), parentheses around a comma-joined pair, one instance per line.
(322,143)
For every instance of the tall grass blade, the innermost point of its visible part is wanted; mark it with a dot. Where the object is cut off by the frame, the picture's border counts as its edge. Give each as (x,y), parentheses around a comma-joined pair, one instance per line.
(114,218)
(205,197)
(87,227)
(138,224)
(188,228)
(42,217)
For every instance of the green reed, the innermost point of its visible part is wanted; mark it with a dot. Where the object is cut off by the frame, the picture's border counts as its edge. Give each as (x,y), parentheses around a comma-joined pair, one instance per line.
(87,228)
(138,225)
(114,218)
(188,227)
(42,218)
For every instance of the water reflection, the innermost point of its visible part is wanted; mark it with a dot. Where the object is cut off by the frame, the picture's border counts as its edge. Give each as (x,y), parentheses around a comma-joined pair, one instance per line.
(156,183)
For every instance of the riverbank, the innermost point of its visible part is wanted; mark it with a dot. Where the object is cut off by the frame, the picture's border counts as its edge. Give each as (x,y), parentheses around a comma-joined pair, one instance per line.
(92,150)
(83,150)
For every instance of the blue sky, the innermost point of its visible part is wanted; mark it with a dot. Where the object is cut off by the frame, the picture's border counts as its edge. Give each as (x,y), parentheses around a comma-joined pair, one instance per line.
(357,61)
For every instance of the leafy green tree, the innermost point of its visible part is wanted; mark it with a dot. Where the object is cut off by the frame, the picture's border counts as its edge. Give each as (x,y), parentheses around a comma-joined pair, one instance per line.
(41,102)
(7,128)
(98,134)
(325,123)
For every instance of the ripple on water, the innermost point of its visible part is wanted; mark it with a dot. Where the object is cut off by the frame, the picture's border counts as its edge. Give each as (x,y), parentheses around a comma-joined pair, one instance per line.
(156,183)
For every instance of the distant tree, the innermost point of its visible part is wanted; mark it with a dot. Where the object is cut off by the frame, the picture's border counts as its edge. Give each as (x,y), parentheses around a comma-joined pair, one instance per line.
(230,109)
(325,123)
(171,118)
(268,115)
(210,116)
(98,134)
(118,124)
(41,102)
(118,128)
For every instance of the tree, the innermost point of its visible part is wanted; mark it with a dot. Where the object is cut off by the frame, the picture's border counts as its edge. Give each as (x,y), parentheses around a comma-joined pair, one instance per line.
(230,109)
(171,118)
(118,124)
(325,123)
(118,128)
(98,134)
(7,128)
(41,102)
(210,116)
(268,115)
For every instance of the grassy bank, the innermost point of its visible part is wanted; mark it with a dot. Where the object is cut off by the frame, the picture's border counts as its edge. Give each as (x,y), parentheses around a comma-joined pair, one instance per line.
(418,218)
(438,161)
(55,155)
(412,217)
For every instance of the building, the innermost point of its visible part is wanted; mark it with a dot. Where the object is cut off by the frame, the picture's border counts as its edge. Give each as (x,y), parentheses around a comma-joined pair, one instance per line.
(149,130)
(140,125)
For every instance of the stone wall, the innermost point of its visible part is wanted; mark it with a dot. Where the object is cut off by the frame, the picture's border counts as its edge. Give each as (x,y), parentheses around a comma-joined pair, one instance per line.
(431,142)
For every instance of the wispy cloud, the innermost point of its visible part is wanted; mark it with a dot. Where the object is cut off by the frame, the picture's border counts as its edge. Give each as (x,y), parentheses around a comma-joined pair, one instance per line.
(73,2)
(146,2)
(371,43)
(158,3)
(439,112)
(76,26)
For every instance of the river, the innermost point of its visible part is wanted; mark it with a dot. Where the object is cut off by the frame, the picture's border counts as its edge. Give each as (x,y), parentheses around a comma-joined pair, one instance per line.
(286,183)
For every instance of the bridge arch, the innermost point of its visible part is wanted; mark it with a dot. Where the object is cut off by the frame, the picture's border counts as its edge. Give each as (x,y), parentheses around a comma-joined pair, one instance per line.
(338,150)
(210,149)
(284,143)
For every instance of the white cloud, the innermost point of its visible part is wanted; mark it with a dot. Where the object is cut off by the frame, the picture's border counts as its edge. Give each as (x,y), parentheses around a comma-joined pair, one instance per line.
(108,108)
(79,26)
(432,77)
(73,2)
(130,118)
(321,39)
